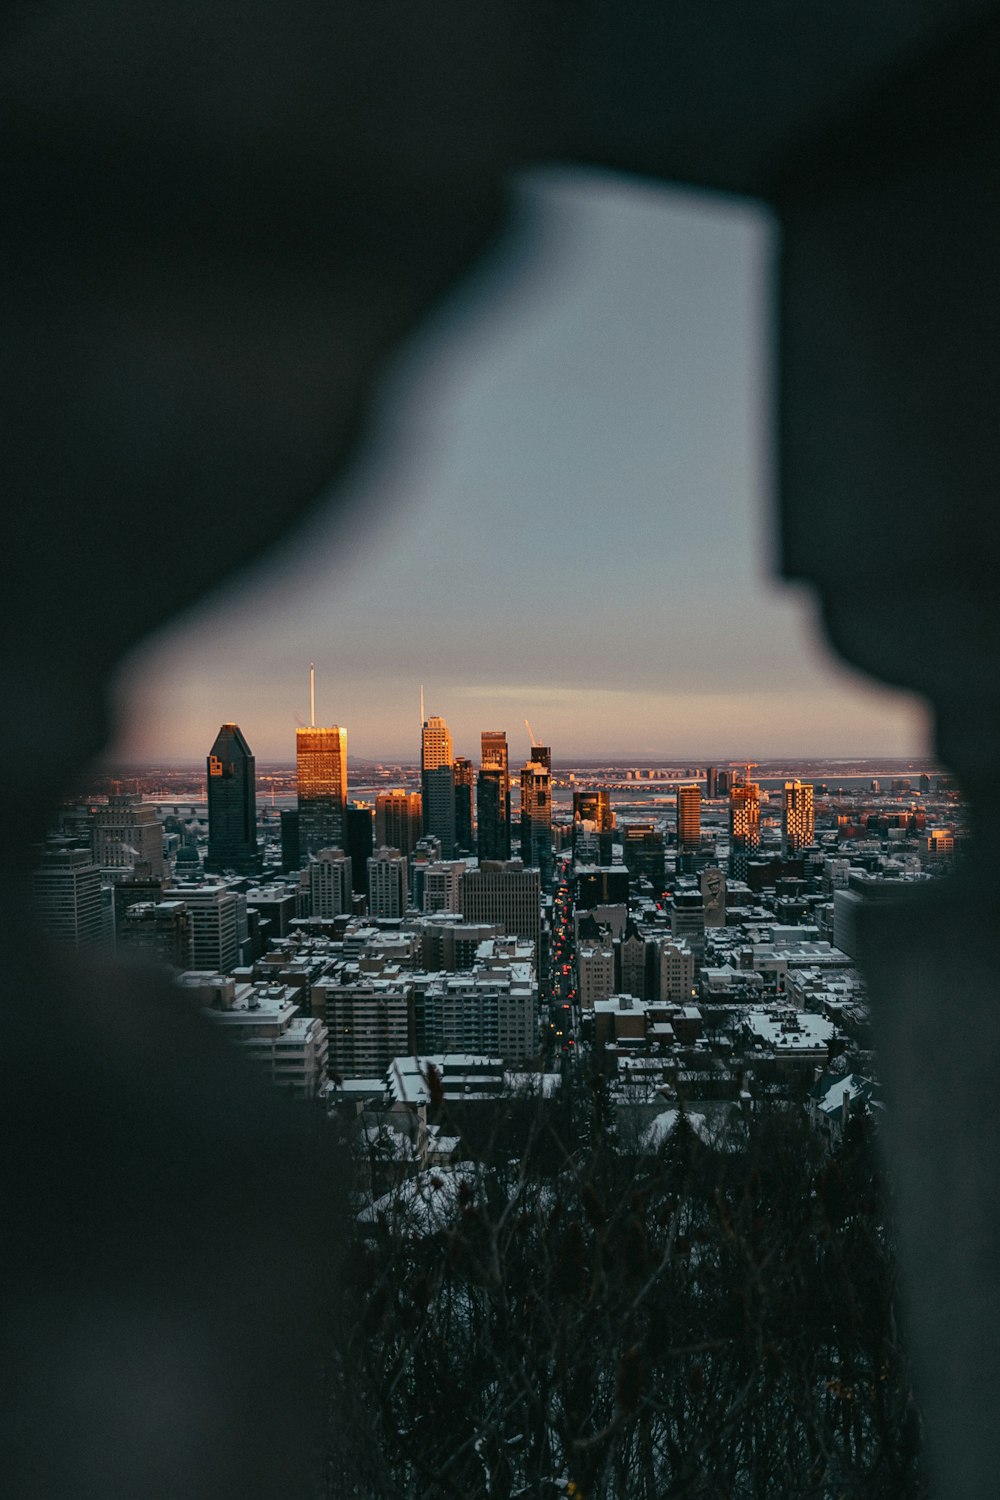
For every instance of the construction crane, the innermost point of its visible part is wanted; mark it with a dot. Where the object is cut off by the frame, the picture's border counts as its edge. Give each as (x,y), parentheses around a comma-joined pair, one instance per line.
(531,734)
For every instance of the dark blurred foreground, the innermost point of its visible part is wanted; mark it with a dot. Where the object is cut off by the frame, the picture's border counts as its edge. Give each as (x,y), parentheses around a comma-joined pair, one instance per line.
(714,1320)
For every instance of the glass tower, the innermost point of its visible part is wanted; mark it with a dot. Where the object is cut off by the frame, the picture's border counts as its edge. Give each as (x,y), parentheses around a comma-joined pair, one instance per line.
(321,761)
(232,805)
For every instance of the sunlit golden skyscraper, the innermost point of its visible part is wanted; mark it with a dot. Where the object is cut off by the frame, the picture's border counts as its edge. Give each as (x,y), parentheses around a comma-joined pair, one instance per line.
(437,778)
(321,765)
(689,818)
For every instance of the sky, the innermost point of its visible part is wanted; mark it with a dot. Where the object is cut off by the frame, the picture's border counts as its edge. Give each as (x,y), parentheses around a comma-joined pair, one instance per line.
(565,518)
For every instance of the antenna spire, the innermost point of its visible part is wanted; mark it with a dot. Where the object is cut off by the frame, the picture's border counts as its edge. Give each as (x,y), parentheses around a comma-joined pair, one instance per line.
(312,695)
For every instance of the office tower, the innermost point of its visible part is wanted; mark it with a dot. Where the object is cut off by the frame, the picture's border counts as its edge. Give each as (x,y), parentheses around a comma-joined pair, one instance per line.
(290,858)
(219,930)
(493,797)
(687,921)
(711,782)
(689,818)
(66,893)
(463,805)
(398,819)
(126,834)
(536,815)
(442,885)
(360,844)
(592,815)
(437,778)
(232,805)
(744,825)
(160,931)
(594,807)
(387,883)
(722,783)
(507,894)
(330,883)
(321,761)
(642,851)
(797,818)
(132,888)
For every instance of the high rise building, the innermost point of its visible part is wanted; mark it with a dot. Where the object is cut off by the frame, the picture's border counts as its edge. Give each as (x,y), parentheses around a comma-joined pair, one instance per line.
(127,835)
(744,824)
(66,891)
(398,819)
(437,776)
(290,858)
(507,894)
(330,883)
(219,930)
(797,818)
(157,930)
(536,814)
(711,782)
(442,885)
(360,844)
(463,804)
(493,797)
(689,818)
(321,761)
(642,851)
(594,807)
(387,883)
(232,805)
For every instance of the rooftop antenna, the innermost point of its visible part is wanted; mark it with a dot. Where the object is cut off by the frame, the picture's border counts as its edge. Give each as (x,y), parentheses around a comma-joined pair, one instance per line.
(312,695)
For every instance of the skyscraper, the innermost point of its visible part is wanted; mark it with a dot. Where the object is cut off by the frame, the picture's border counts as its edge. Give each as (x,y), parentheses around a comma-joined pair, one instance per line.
(593,826)
(493,797)
(398,819)
(744,824)
(330,881)
(232,805)
(798,818)
(321,761)
(127,835)
(711,782)
(387,883)
(66,888)
(360,844)
(536,814)
(463,804)
(689,818)
(437,776)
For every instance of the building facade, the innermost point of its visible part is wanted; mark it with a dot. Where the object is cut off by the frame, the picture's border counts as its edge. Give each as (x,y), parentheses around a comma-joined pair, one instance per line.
(321,774)
(127,835)
(493,797)
(388,887)
(797,818)
(437,783)
(232,805)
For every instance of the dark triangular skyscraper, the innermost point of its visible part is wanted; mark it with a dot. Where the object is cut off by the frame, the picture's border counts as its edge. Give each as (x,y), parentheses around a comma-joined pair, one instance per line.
(232,805)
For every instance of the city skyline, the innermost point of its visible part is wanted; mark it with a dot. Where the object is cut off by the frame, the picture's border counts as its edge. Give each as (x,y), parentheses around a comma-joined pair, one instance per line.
(565,515)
